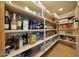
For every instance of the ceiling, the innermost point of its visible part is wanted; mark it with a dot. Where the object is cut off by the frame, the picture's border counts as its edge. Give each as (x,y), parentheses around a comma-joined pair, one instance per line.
(53,6)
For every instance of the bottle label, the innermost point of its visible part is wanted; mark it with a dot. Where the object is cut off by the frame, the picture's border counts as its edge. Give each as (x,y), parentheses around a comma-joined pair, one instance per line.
(13,27)
(6,26)
(25,25)
(19,23)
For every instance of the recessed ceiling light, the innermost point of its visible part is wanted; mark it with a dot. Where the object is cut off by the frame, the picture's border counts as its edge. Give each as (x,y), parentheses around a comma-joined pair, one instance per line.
(60,9)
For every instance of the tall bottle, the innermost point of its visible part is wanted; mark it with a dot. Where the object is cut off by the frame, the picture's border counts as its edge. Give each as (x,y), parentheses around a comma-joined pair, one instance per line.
(14,22)
(7,21)
(25,38)
(16,41)
(19,26)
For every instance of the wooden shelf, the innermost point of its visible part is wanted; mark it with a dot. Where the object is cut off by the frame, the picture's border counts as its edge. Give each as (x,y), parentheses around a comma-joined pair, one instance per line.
(16,31)
(66,34)
(41,53)
(69,41)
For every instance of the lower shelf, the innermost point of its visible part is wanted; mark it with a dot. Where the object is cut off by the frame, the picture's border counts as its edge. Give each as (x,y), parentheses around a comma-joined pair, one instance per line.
(41,53)
(66,34)
(69,41)
(24,48)
(28,46)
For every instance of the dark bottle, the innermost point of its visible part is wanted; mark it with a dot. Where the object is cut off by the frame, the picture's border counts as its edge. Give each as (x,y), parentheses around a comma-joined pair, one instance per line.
(30,24)
(16,41)
(12,44)
(19,22)
(7,50)
(42,26)
(25,38)
(37,36)
(8,45)
(34,25)
(38,26)
(7,21)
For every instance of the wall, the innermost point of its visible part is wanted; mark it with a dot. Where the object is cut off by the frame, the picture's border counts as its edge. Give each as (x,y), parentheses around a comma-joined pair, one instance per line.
(77,12)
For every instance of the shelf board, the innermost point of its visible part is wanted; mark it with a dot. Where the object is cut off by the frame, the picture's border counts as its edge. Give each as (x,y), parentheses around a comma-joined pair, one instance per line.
(49,21)
(65,29)
(24,48)
(66,23)
(41,53)
(16,31)
(69,41)
(50,29)
(29,4)
(66,34)
(33,30)
(52,36)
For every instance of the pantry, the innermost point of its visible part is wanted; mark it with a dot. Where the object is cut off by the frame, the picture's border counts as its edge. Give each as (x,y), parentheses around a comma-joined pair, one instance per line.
(28,29)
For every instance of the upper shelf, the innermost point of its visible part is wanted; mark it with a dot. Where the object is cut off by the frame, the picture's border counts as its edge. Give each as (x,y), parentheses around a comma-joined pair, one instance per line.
(30,4)
(33,30)
(19,10)
(16,31)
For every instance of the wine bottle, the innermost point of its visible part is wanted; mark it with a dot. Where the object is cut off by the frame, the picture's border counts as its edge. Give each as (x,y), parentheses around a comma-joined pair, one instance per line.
(30,24)
(12,42)
(25,38)
(14,22)
(38,25)
(7,20)
(8,45)
(16,42)
(7,50)
(20,42)
(19,26)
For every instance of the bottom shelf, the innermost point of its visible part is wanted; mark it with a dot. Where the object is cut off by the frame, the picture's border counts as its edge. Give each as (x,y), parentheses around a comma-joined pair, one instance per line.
(25,47)
(41,53)
(69,41)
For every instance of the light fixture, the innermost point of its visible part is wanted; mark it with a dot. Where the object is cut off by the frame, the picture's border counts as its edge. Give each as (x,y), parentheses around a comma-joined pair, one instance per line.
(60,9)
(56,15)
